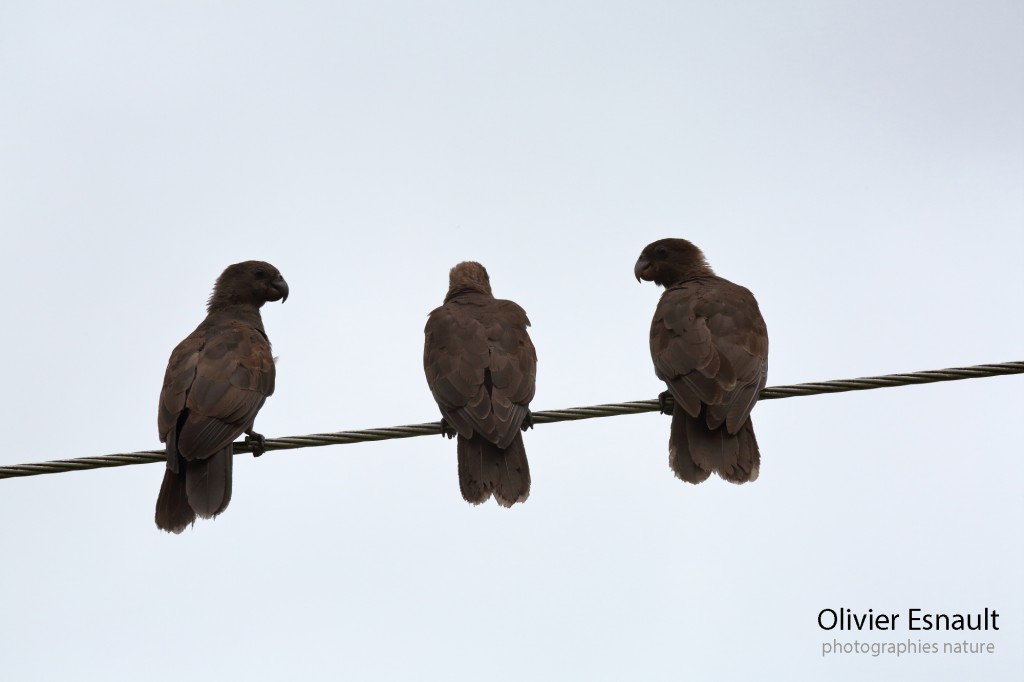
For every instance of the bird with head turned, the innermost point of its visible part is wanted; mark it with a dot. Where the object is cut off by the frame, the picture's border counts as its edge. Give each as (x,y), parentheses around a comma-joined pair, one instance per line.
(668,261)
(249,283)
(709,344)
(217,380)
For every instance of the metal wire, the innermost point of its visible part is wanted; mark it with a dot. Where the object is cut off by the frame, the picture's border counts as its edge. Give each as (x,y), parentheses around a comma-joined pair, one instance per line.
(542,417)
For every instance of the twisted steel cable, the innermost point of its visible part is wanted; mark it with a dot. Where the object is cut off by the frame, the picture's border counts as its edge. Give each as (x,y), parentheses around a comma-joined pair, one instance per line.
(542,417)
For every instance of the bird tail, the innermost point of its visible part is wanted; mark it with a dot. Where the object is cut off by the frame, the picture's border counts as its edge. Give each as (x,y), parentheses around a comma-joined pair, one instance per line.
(695,451)
(173,512)
(201,487)
(485,469)
(208,483)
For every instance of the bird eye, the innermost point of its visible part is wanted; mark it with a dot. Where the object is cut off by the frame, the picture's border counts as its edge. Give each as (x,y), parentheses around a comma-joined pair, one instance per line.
(661,251)
(260,273)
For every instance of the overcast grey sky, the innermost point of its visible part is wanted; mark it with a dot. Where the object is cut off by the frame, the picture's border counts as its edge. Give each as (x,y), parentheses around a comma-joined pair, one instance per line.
(858,165)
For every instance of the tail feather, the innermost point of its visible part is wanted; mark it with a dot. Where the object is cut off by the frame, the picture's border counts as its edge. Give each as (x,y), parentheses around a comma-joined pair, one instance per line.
(695,451)
(749,455)
(679,457)
(485,470)
(173,512)
(208,483)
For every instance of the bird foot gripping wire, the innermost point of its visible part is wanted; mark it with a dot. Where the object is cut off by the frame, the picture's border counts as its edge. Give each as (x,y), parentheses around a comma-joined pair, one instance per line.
(666,402)
(446,430)
(256,441)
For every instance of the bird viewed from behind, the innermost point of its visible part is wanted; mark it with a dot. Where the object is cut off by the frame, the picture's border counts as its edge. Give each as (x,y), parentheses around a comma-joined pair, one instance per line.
(481,368)
(217,380)
(709,344)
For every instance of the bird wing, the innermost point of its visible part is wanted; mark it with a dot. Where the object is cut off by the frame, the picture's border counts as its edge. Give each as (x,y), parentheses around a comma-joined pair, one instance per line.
(709,343)
(481,366)
(216,381)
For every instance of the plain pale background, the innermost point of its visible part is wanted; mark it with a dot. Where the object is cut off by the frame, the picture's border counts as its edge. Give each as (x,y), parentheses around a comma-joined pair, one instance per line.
(858,165)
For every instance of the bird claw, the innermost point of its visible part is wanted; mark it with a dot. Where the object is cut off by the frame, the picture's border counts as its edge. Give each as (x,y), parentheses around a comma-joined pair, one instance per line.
(666,402)
(256,441)
(527,421)
(446,430)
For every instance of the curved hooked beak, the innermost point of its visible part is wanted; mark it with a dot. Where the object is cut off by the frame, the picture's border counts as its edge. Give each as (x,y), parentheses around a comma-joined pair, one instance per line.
(641,265)
(281,287)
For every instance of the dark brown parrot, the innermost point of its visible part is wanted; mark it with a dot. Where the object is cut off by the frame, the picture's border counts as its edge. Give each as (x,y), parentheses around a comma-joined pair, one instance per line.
(482,368)
(216,382)
(709,343)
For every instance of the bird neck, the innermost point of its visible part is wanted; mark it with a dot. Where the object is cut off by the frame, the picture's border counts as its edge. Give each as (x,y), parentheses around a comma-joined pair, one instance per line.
(242,312)
(683,275)
(466,290)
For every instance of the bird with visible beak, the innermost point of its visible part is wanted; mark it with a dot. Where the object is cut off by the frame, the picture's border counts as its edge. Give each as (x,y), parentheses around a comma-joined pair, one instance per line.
(709,344)
(217,380)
